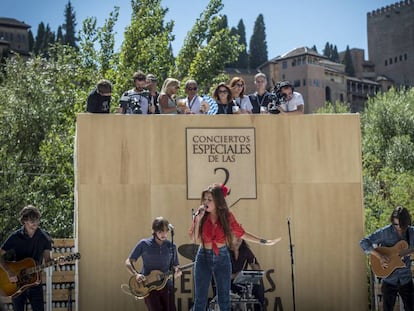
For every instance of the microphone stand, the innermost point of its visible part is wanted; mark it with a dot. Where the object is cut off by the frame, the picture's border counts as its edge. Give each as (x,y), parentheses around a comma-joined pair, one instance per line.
(292,264)
(172,267)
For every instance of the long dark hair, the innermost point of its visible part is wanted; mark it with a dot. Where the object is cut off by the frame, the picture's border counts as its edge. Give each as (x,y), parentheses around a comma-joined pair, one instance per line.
(222,210)
(403,216)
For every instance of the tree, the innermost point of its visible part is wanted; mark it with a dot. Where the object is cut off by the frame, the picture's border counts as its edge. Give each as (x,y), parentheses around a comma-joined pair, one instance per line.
(31,40)
(314,48)
(106,38)
(44,38)
(209,62)
(243,59)
(331,52)
(347,61)
(335,55)
(258,44)
(39,99)
(147,43)
(70,25)
(195,39)
(59,35)
(217,23)
(39,41)
(387,154)
(388,148)
(204,60)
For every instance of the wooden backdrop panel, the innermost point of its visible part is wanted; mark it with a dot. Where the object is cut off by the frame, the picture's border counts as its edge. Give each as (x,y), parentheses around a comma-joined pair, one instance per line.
(130,169)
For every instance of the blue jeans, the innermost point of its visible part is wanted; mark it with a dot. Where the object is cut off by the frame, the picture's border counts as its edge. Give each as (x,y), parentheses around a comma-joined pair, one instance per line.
(390,292)
(207,265)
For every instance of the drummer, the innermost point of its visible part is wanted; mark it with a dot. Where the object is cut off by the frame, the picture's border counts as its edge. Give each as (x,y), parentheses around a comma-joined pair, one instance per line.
(241,258)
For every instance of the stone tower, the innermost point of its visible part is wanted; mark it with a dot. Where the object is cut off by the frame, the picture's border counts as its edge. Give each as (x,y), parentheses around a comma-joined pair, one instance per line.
(391,41)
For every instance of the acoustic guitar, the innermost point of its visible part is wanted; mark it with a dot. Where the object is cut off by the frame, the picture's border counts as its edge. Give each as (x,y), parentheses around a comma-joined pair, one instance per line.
(28,274)
(156,280)
(396,254)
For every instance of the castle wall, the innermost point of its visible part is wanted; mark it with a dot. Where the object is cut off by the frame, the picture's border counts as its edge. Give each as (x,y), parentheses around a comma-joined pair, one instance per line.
(391,41)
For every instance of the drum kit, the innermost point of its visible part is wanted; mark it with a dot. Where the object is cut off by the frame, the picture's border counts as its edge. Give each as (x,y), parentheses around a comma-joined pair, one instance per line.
(245,279)
(246,301)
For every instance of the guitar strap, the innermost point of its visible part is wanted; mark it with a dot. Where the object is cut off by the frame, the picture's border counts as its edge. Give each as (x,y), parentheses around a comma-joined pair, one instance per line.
(408,236)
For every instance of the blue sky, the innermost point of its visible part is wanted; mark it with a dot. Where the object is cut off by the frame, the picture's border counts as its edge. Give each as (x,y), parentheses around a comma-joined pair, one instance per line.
(289,24)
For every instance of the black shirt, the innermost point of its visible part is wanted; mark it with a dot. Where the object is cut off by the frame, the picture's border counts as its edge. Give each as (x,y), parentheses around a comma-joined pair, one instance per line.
(98,103)
(259,100)
(21,246)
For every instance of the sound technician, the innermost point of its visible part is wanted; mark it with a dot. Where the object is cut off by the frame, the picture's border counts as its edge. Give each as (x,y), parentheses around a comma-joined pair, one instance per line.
(400,281)
(241,258)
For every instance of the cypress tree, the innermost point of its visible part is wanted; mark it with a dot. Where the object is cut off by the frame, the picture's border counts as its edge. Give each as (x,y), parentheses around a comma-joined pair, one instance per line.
(347,61)
(31,40)
(314,48)
(59,35)
(335,55)
(243,61)
(258,44)
(38,43)
(69,26)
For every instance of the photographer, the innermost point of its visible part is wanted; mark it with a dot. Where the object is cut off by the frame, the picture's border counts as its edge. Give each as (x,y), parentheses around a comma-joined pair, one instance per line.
(135,101)
(286,100)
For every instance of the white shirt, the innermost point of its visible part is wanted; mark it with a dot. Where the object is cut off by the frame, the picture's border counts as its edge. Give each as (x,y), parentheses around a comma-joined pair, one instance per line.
(293,103)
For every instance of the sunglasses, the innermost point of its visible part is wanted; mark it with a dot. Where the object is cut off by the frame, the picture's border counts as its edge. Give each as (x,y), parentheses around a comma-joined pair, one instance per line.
(239,85)
(222,91)
(141,78)
(192,88)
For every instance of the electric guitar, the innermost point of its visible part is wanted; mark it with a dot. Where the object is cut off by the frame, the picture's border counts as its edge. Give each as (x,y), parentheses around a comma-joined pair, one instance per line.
(395,253)
(28,274)
(156,280)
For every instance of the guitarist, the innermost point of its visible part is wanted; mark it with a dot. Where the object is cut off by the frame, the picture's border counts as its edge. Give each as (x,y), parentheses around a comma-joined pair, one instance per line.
(400,280)
(27,242)
(157,253)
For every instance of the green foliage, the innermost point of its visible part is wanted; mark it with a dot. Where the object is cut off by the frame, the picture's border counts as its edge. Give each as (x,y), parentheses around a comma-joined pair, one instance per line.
(337,107)
(243,59)
(195,39)
(209,61)
(106,38)
(38,102)
(44,38)
(258,44)
(388,155)
(146,44)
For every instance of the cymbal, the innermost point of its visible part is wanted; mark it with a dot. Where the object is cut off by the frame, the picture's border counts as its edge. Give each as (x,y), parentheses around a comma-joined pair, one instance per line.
(188,251)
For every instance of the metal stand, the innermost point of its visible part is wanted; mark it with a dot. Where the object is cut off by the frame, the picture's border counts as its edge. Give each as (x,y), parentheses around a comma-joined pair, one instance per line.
(292,264)
(70,297)
(172,267)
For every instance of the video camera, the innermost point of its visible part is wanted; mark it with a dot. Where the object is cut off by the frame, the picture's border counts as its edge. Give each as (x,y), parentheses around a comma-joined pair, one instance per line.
(277,97)
(131,102)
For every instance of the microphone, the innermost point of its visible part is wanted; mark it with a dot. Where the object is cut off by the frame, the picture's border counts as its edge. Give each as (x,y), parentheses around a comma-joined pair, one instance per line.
(200,210)
(171,227)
